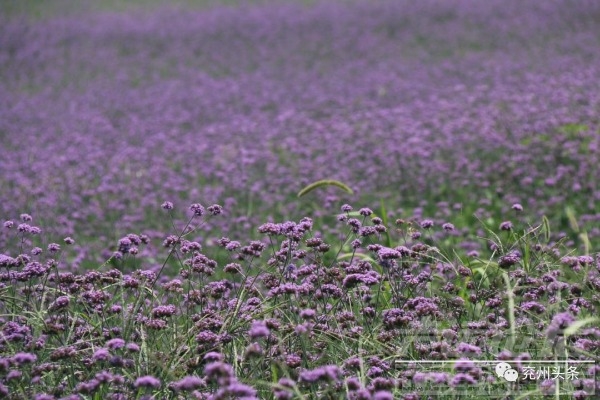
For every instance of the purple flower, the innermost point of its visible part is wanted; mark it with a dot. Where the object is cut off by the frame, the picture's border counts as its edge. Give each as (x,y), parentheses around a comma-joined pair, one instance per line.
(438,377)
(259,329)
(44,396)
(585,260)
(106,376)
(462,379)
(232,245)
(353,383)
(270,229)
(375,371)
(87,387)
(25,228)
(388,254)
(282,393)
(189,383)
(60,303)
(308,314)
(13,374)
(426,224)
(506,226)
(422,305)
(167,205)
(147,381)
(448,227)
(132,347)
(26,218)
(9,224)
(396,318)
(517,207)
(558,324)
(217,370)
(293,360)
(346,208)
(369,279)
(69,240)
(213,356)
(383,395)
(238,390)
(115,343)
(533,306)
(215,209)
(101,354)
(164,311)
(411,396)
(468,349)
(232,268)
(24,358)
(464,365)
(508,260)
(326,373)
(197,209)
(473,254)
(53,247)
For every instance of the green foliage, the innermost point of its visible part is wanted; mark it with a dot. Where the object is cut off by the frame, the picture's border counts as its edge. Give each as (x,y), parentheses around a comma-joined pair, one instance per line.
(463,289)
(322,183)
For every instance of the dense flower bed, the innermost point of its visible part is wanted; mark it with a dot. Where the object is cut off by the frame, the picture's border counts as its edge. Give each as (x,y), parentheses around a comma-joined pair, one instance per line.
(294,316)
(154,245)
(437,108)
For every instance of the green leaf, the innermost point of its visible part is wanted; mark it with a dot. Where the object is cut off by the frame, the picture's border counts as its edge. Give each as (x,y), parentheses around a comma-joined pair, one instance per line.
(324,182)
(575,326)
(572,219)
(383,213)
(586,242)
(546,225)
(511,311)
(388,239)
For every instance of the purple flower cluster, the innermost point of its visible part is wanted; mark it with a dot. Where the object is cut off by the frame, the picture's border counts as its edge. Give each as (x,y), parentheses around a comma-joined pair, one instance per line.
(450,118)
(242,113)
(321,374)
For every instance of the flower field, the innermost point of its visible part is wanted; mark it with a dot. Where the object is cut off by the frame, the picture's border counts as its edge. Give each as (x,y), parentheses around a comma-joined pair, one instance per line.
(300,200)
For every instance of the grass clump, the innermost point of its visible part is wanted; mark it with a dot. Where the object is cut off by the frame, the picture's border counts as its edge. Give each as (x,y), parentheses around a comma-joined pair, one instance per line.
(380,312)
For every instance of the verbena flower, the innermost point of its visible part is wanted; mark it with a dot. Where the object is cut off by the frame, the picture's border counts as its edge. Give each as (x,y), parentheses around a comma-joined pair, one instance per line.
(426,224)
(189,383)
(558,324)
(147,381)
(115,343)
(365,212)
(24,358)
(326,373)
(53,247)
(508,260)
(448,227)
(383,395)
(197,209)
(462,379)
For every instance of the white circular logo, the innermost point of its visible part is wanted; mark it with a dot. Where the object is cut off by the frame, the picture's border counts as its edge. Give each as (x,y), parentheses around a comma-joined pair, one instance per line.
(504,370)
(511,375)
(501,368)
